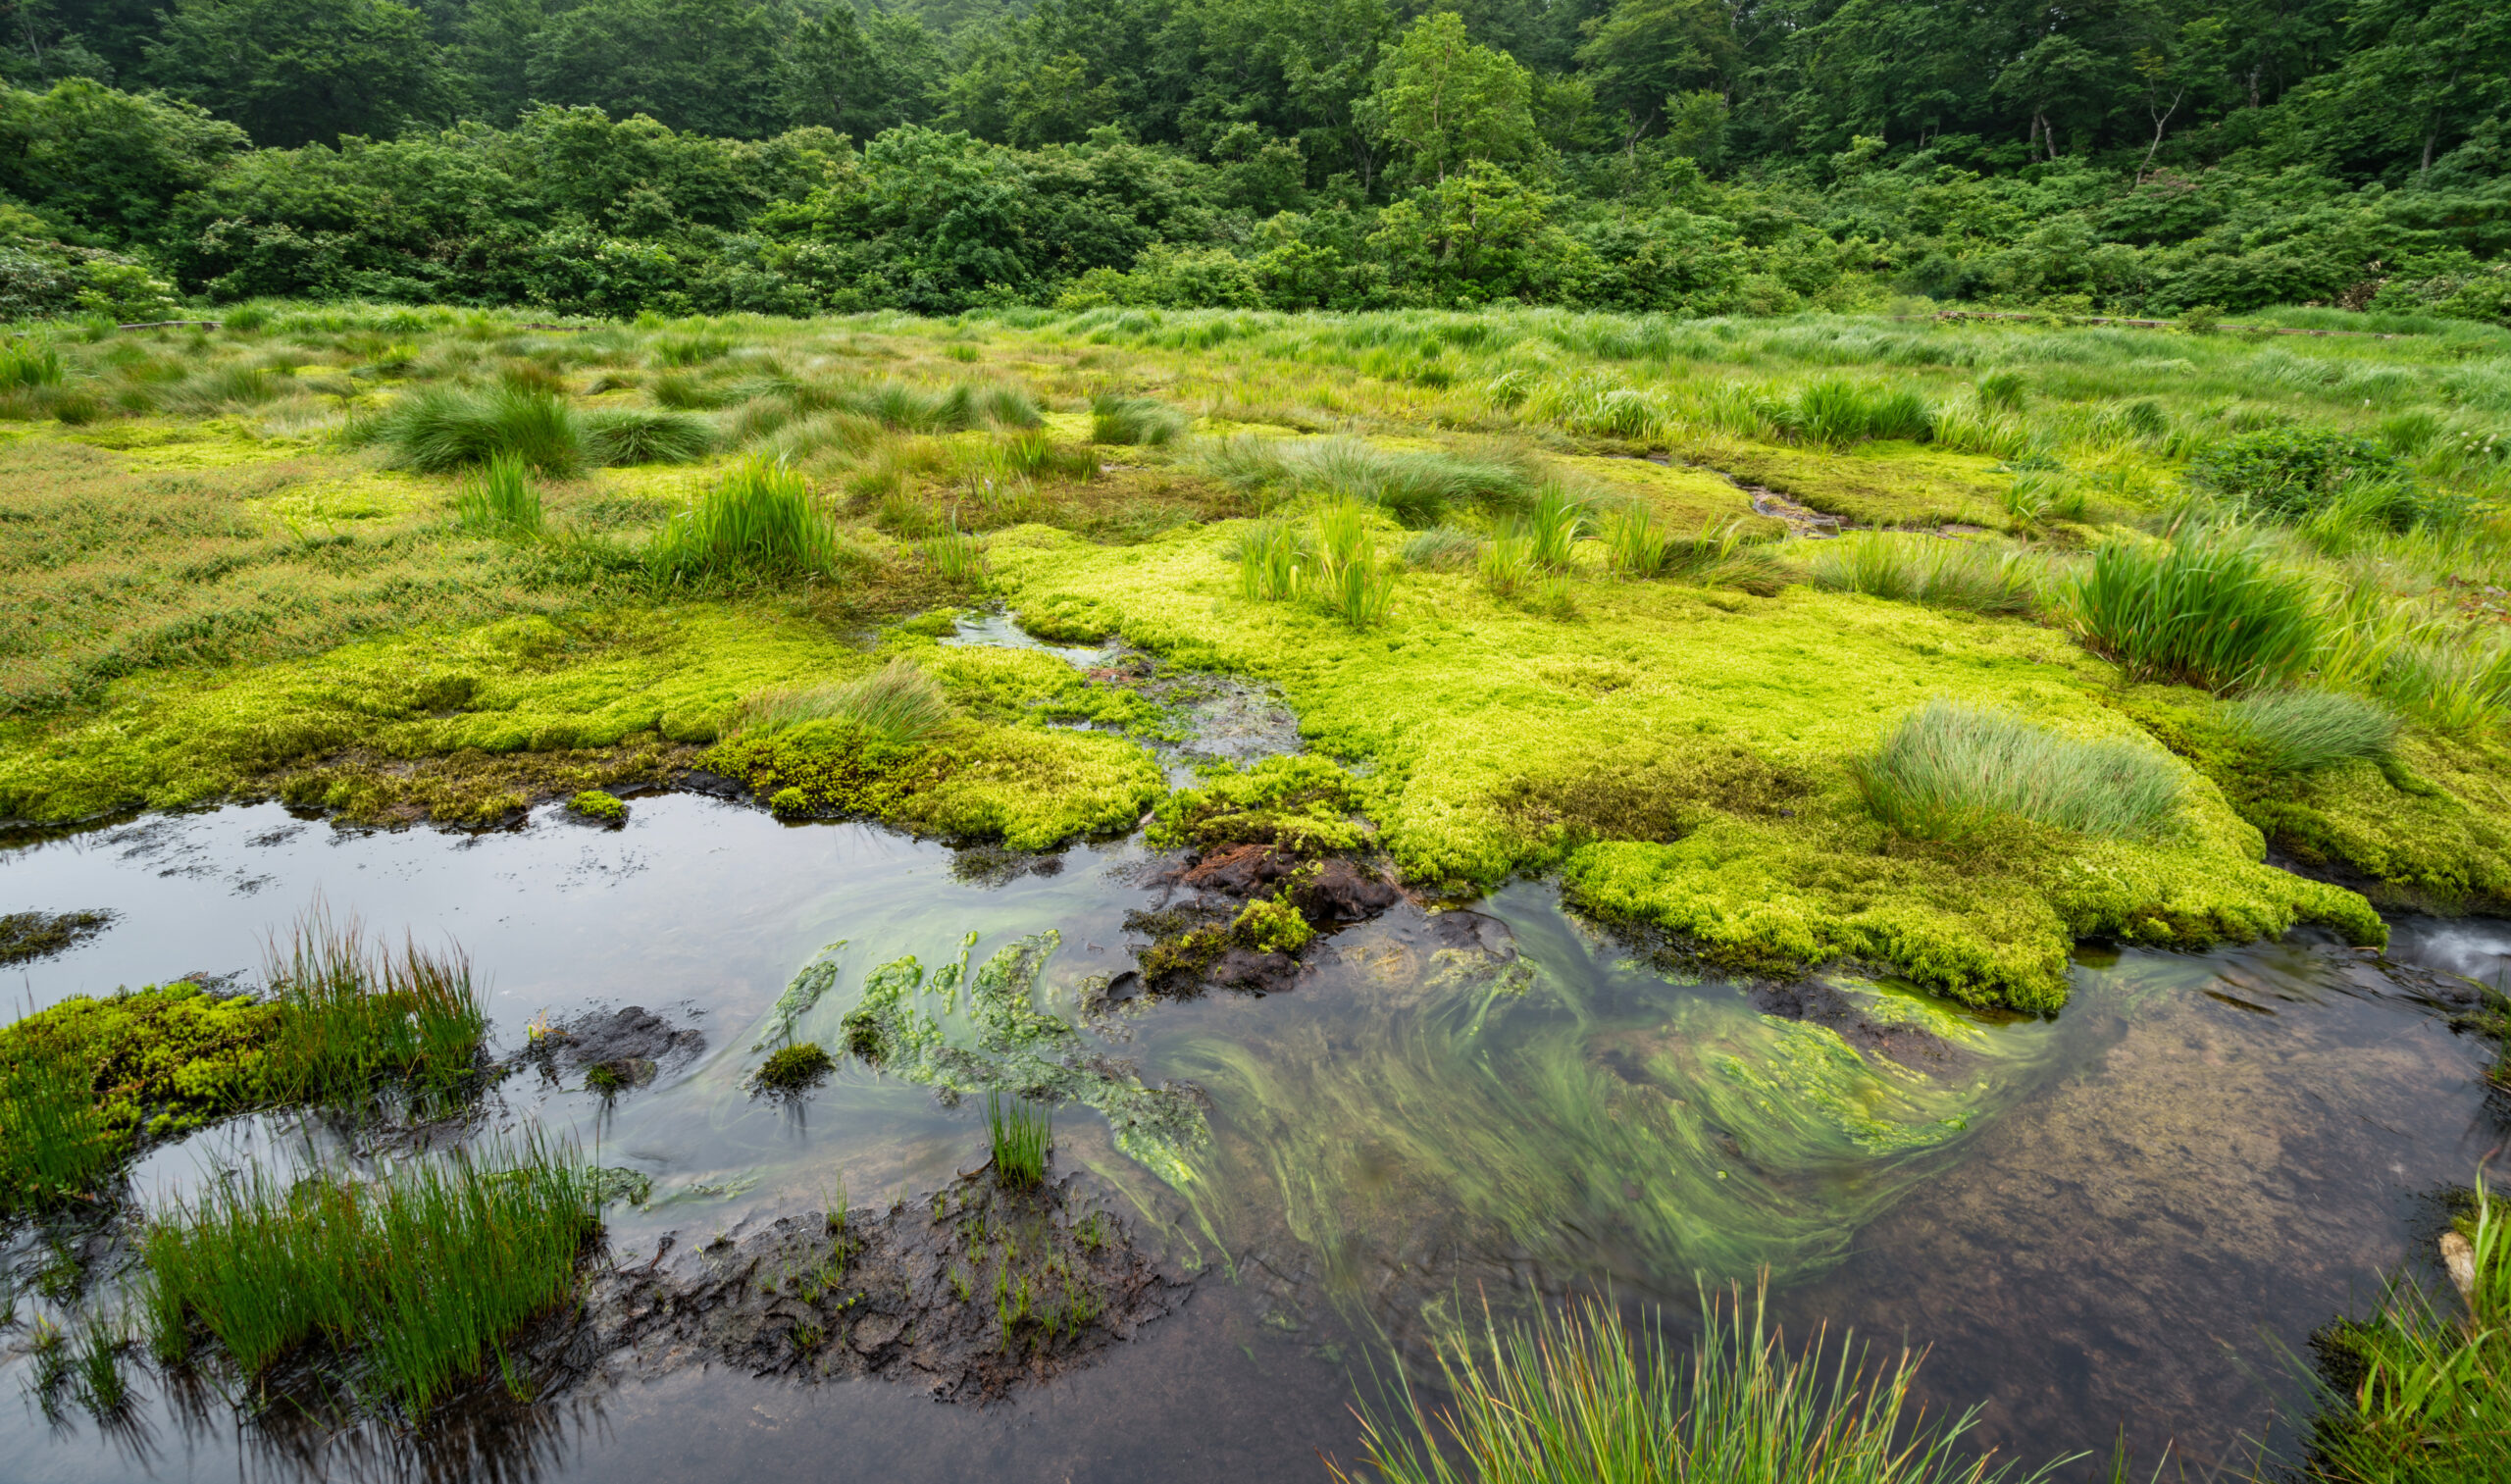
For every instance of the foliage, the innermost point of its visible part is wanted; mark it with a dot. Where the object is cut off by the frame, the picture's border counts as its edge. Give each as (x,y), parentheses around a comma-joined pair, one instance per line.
(360,1017)
(1579,1396)
(1021,1133)
(2287,472)
(1919,569)
(1945,769)
(635,435)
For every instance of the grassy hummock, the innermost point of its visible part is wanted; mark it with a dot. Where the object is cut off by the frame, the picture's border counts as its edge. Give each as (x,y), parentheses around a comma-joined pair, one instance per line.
(405,1288)
(794,1068)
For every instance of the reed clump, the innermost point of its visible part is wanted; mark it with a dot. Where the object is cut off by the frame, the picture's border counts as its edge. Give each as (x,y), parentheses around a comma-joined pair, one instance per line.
(360,1017)
(1947,770)
(1021,1133)
(1578,1396)
(501,499)
(2209,609)
(405,1288)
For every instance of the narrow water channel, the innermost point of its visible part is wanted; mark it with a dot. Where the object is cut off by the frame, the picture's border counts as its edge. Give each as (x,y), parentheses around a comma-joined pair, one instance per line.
(2122,1218)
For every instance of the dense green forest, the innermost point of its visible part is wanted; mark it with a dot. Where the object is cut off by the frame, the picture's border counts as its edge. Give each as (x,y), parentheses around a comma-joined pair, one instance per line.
(613,157)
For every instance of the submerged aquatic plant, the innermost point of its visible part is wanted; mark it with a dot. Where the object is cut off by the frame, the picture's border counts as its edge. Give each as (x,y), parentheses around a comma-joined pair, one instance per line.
(412,1284)
(1577,1396)
(1947,769)
(898,703)
(1021,1133)
(2297,731)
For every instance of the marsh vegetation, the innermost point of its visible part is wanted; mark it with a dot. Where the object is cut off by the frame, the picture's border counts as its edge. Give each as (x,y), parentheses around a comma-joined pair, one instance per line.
(1874,668)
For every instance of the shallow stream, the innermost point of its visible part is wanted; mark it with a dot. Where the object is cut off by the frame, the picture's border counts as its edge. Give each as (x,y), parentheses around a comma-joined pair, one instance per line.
(2127,1217)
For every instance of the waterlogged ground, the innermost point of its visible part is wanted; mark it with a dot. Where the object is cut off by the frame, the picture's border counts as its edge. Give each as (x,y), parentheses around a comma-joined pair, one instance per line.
(2120,1217)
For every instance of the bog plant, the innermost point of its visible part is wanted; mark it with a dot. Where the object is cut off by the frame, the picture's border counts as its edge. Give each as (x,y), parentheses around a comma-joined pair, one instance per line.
(361,1018)
(759,521)
(501,499)
(624,436)
(438,429)
(2208,608)
(1947,771)
(2298,730)
(898,704)
(1578,1396)
(1923,569)
(1350,581)
(402,1289)
(1020,1133)
(1134,420)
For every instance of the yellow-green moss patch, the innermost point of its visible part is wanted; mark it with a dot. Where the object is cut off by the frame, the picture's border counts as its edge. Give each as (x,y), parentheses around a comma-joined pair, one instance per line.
(1880,483)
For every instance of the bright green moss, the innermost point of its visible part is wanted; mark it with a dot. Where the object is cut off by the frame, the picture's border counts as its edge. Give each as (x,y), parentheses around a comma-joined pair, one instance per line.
(1682,499)
(1032,786)
(1685,764)
(1271,925)
(1882,484)
(601,807)
(1306,803)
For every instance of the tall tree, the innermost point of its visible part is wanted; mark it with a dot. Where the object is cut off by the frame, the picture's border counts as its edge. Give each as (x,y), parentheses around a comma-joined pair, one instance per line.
(1644,52)
(294,72)
(701,66)
(1441,100)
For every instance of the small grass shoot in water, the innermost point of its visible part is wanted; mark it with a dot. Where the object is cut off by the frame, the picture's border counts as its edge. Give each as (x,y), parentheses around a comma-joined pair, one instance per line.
(1021,1132)
(361,1016)
(1946,769)
(414,1283)
(1579,1397)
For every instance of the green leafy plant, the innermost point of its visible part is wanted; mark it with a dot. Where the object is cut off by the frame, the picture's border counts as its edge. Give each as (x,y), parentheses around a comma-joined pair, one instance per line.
(1946,770)
(2287,472)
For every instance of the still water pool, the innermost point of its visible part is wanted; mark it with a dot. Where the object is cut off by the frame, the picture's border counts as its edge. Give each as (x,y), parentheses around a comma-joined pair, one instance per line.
(2122,1218)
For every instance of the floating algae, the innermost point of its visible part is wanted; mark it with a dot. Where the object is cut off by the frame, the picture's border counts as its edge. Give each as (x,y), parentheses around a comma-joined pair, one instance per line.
(809,983)
(1584,1118)
(1012,1047)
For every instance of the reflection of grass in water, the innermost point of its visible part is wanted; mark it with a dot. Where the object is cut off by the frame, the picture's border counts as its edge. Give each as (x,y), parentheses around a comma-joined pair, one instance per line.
(1697,1137)
(1578,1396)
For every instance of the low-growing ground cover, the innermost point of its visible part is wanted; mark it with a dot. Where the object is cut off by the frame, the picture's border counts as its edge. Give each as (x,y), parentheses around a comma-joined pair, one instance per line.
(1553,606)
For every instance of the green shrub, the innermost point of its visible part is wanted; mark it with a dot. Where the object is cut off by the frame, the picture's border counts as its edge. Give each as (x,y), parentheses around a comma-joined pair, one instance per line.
(403,1288)
(501,499)
(2286,471)
(898,703)
(2208,609)
(758,521)
(1134,420)
(1576,1396)
(440,428)
(1946,769)
(625,435)
(2296,731)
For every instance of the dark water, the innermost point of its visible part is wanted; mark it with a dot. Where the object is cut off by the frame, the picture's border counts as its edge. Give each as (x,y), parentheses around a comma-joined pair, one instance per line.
(2119,1219)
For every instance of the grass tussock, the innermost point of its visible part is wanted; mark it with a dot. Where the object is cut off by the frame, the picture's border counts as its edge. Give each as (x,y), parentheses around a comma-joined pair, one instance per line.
(436,430)
(2209,609)
(1020,1133)
(758,521)
(1274,558)
(1142,421)
(1579,1397)
(1947,770)
(405,1289)
(898,703)
(1922,568)
(361,1016)
(1418,489)
(631,436)
(2298,730)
